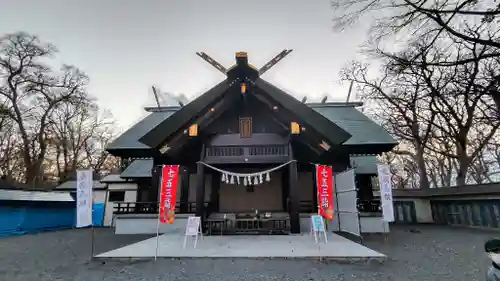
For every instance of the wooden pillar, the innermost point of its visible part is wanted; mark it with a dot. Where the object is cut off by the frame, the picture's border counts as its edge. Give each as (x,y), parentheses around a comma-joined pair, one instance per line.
(154,195)
(294,195)
(315,191)
(184,200)
(285,180)
(214,195)
(143,190)
(200,188)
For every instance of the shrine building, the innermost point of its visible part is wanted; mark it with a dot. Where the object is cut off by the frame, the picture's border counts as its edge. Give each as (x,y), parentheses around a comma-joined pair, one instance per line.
(245,125)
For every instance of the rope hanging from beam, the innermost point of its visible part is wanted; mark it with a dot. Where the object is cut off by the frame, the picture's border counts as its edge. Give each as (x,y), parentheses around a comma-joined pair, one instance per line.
(246,178)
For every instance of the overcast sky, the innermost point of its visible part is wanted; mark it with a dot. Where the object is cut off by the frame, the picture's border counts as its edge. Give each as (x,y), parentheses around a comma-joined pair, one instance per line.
(126,46)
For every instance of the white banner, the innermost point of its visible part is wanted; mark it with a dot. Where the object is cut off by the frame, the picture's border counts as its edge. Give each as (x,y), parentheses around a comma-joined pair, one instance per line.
(384,179)
(84,200)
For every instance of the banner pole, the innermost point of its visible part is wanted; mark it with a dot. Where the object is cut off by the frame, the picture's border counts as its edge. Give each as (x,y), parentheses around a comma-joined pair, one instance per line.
(157,235)
(92,250)
(93,242)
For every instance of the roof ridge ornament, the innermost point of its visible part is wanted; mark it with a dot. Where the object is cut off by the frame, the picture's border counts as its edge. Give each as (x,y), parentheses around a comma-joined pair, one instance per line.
(242,60)
(241,55)
(274,61)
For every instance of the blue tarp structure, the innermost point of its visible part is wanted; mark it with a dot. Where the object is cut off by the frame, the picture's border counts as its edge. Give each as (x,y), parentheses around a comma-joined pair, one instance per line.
(29,217)
(98,214)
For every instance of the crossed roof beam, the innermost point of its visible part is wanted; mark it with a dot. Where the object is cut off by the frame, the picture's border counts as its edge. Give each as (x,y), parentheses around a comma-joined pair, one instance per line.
(262,70)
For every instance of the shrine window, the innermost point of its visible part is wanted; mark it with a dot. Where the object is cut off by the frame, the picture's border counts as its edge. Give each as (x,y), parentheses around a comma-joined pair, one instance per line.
(246,127)
(116,196)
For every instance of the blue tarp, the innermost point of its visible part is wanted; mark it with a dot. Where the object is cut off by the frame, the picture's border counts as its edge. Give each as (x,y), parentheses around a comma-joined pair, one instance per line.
(11,220)
(98,214)
(29,218)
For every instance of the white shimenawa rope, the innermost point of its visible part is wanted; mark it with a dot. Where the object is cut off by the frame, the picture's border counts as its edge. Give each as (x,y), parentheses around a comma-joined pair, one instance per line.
(244,174)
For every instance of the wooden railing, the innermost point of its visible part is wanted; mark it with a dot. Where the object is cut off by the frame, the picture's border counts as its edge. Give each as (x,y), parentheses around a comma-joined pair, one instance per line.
(247,151)
(307,206)
(275,150)
(248,223)
(152,207)
(373,206)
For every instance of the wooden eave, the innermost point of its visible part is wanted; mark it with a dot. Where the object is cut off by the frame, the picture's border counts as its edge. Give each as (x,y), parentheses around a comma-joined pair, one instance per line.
(307,116)
(185,116)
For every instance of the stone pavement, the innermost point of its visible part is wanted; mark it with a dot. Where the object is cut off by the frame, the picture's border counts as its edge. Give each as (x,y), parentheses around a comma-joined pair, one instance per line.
(264,246)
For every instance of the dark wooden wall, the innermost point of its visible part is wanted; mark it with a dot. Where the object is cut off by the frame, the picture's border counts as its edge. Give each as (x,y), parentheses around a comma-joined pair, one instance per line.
(261,114)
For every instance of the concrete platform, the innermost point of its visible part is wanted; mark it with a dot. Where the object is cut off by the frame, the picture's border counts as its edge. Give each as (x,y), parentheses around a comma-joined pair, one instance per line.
(289,246)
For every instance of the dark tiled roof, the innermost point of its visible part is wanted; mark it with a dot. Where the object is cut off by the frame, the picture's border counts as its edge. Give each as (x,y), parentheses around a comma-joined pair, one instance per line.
(113,178)
(362,129)
(155,136)
(365,164)
(71,185)
(139,168)
(130,138)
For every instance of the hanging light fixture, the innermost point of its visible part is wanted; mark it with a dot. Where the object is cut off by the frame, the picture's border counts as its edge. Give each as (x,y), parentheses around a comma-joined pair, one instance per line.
(193,130)
(295,128)
(243,88)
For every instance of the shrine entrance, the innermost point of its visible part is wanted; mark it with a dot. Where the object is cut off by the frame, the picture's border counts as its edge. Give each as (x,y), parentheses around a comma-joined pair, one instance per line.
(251,200)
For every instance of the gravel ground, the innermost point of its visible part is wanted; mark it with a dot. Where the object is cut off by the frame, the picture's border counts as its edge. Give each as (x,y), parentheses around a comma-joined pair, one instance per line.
(430,253)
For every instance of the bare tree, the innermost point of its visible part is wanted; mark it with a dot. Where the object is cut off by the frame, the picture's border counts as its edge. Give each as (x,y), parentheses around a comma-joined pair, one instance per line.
(95,149)
(434,108)
(31,92)
(467,20)
(10,151)
(76,134)
(471,21)
(461,105)
(403,101)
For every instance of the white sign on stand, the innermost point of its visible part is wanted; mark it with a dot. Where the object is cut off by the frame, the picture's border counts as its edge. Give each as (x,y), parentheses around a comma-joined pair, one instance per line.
(193,228)
(384,178)
(318,227)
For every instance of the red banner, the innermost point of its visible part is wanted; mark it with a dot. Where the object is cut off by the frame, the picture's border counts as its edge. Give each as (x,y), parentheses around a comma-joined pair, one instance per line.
(168,193)
(324,185)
